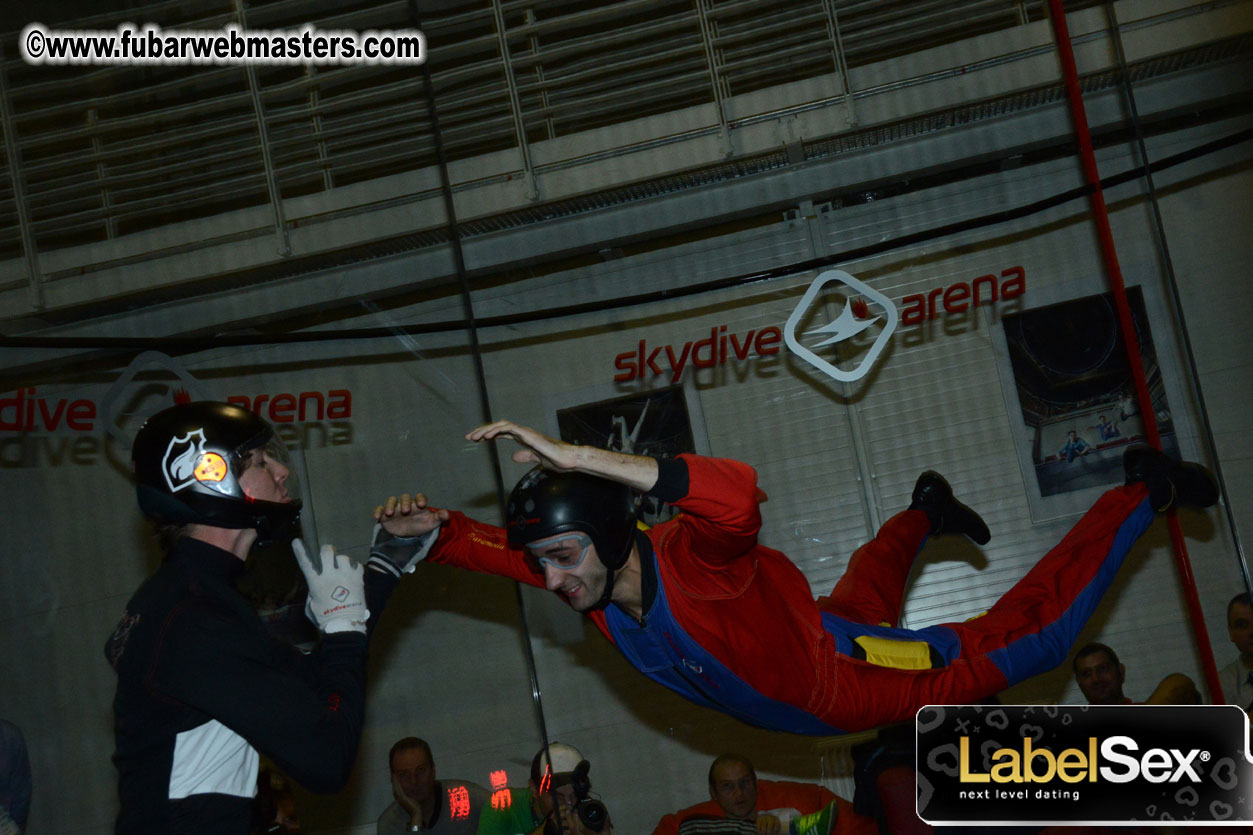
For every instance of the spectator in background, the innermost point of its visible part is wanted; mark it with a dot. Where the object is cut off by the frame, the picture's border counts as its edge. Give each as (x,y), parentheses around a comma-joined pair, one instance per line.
(424,803)
(1237,677)
(552,792)
(739,802)
(14,777)
(1100,676)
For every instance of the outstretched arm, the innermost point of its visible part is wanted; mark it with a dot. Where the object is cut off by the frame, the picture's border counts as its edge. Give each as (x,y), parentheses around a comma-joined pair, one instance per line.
(409,530)
(637,471)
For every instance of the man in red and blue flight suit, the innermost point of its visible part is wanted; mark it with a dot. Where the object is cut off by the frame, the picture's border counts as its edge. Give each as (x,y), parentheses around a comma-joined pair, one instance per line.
(699,605)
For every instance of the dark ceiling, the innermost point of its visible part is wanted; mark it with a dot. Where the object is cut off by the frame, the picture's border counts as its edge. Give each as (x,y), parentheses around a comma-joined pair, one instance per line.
(15,14)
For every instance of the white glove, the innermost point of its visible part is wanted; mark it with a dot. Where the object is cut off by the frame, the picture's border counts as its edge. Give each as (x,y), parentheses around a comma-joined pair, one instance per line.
(398,555)
(336,592)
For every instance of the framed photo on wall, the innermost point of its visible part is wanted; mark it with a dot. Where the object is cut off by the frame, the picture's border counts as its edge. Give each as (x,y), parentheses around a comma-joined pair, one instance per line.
(1068,383)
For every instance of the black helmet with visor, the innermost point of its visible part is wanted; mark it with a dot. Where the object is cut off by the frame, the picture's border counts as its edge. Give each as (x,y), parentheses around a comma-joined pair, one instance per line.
(188,460)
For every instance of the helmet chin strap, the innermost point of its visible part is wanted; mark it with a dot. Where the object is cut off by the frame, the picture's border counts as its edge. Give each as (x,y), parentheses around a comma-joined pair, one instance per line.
(606,596)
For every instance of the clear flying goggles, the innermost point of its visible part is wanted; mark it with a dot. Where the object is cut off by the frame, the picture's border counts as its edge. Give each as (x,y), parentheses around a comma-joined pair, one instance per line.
(563,552)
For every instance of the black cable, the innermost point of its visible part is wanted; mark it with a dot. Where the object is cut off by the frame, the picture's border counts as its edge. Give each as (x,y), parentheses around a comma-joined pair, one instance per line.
(471,327)
(1159,229)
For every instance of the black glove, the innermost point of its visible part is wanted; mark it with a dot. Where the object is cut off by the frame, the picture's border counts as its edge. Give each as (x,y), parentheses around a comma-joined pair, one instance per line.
(398,555)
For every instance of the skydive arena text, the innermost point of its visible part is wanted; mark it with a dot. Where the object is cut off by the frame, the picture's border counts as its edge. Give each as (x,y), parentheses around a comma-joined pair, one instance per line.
(150,44)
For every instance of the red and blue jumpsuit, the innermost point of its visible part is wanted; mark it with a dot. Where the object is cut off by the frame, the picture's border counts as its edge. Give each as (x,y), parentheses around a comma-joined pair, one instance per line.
(732,624)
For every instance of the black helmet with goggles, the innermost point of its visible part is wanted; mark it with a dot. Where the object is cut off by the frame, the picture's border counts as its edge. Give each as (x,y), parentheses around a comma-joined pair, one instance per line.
(546,503)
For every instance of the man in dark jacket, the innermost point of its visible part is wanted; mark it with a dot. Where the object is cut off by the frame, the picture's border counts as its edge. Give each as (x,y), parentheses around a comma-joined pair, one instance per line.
(203,690)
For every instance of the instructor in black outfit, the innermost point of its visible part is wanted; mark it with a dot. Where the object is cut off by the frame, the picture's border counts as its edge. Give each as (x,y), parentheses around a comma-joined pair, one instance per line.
(202,688)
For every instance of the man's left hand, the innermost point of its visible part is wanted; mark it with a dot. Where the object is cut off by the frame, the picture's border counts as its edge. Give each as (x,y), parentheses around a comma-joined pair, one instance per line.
(406,802)
(769,825)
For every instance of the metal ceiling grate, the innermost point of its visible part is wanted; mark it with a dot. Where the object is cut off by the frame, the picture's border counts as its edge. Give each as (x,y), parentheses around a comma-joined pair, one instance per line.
(1240,47)
(108,151)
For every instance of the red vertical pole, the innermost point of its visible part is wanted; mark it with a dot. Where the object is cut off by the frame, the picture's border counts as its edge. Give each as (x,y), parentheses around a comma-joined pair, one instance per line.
(1100,215)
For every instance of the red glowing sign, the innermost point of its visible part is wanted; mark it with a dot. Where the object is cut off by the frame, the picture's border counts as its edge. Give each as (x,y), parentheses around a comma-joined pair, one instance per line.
(459,802)
(502,798)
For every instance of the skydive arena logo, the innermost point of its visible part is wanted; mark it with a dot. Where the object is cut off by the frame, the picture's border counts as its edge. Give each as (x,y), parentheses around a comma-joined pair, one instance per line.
(1071,765)
(831,347)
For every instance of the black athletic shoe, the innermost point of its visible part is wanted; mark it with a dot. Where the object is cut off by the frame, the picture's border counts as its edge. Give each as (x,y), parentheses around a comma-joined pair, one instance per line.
(1171,483)
(933,496)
